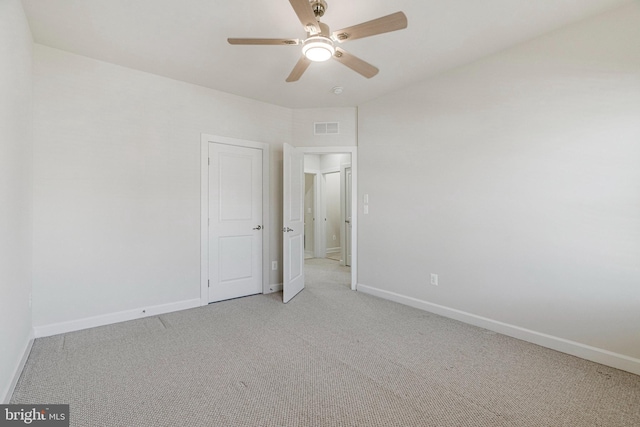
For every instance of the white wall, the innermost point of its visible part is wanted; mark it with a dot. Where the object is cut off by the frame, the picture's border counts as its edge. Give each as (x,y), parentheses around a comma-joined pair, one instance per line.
(303,127)
(117,183)
(332,162)
(311,163)
(517,180)
(15,190)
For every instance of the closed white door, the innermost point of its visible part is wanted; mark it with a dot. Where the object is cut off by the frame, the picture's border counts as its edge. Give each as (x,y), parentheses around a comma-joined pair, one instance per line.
(235,221)
(293,223)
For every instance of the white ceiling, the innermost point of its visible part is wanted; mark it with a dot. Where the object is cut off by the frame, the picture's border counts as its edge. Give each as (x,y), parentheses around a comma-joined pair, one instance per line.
(186,40)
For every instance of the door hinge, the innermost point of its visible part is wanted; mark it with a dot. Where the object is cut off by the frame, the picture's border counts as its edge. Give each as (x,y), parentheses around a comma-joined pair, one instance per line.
(209,161)
(208,283)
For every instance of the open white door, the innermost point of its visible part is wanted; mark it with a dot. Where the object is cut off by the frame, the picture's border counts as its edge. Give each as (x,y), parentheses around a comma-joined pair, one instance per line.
(293,223)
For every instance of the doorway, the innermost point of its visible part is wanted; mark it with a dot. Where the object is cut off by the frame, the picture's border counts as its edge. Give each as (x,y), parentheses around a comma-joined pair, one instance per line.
(329,197)
(328,181)
(294,169)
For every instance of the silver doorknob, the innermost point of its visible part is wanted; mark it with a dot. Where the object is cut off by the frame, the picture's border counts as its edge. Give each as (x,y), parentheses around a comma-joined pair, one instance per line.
(258,227)
(286,230)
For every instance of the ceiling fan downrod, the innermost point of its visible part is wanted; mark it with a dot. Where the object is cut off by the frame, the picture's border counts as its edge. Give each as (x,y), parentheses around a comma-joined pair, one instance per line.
(319,7)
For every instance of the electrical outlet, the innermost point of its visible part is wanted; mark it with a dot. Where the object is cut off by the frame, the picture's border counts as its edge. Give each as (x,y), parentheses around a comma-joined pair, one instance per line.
(434,279)
(274,265)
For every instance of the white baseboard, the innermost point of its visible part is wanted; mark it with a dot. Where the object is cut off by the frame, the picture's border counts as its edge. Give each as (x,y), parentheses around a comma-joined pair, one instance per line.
(6,396)
(594,354)
(274,288)
(108,319)
(334,250)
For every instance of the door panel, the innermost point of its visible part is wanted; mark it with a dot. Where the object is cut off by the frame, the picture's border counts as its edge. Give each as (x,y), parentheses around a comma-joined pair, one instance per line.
(236,187)
(293,222)
(235,212)
(296,266)
(236,258)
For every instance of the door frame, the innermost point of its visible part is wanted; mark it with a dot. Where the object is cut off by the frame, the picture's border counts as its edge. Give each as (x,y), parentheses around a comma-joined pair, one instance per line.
(343,210)
(354,199)
(205,139)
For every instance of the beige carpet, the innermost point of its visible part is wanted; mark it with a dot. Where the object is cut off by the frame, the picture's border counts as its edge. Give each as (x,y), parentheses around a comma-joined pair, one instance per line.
(330,357)
(334,255)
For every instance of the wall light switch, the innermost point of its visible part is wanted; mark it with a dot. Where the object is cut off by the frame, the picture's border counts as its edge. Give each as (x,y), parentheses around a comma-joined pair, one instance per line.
(366,209)
(366,199)
(274,265)
(434,279)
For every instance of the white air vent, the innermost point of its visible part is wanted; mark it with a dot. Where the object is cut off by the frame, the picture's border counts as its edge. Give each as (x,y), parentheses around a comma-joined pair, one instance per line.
(326,128)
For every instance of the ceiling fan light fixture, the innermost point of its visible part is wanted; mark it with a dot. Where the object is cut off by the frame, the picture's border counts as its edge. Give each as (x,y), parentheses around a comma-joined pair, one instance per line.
(318,48)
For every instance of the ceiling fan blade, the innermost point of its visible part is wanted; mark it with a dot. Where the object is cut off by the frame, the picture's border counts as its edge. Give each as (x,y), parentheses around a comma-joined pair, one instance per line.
(355,63)
(300,67)
(395,21)
(306,16)
(264,41)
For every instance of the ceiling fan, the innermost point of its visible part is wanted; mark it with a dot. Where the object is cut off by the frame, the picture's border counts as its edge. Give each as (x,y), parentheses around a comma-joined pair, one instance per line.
(320,44)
